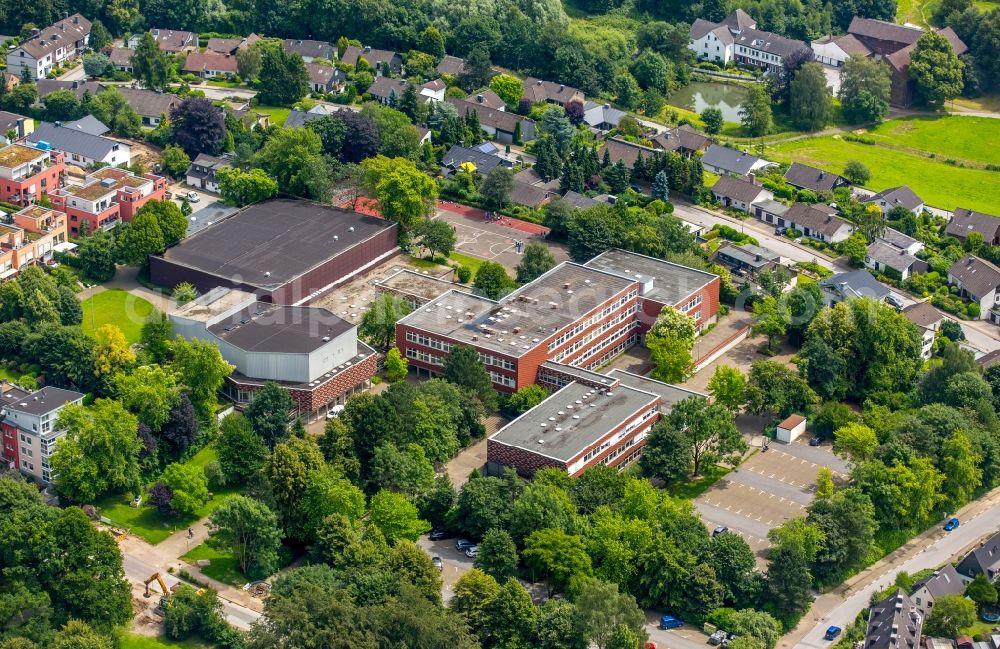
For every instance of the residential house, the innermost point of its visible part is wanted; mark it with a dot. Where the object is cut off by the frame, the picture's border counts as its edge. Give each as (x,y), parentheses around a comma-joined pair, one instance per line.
(944,581)
(896,196)
(325,78)
(387,91)
(309,50)
(80,148)
(894,623)
(451,65)
(834,50)
(965,221)
(850,285)
(377,59)
(423,134)
(29,236)
(739,193)
(984,560)
(172,41)
(903,89)
(683,139)
(769,211)
(27,173)
(603,117)
(29,423)
(902,241)
(14,125)
(530,195)
(816,222)
(47,48)
(979,281)
(928,320)
(460,158)
(723,160)
(432,90)
(803,176)
(201,172)
(628,152)
(297,118)
(106,197)
(121,58)
(152,106)
(747,261)
(78,88)
(88,124)
(530,177)
(231,45)
(487,98)
(579,201)
(506,127)
(737,39)
(895,262)
(249,118)
(541,92)
(210,64)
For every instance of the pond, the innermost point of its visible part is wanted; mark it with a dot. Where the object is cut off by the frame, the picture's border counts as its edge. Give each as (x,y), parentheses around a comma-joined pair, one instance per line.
(699,95)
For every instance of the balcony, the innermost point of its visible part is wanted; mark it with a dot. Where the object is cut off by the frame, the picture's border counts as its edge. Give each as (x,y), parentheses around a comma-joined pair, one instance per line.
(110,224)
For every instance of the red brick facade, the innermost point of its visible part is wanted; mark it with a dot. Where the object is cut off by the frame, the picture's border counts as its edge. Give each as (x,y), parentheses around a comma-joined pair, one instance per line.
(706,310)
(10,453)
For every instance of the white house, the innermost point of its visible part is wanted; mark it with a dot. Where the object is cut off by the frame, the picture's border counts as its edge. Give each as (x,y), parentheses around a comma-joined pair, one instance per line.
(901,196)
(979,281)
(737,39)
(945,581)
(49,47)
(82,148)
(739,193)
(928,320)
(834,50)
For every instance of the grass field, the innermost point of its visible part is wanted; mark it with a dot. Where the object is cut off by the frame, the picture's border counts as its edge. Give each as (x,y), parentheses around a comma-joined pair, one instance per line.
(989,102)
(940,184)
(472,263)
(278,113)
(916,12)
(224,567)
(146,522)
(694,488)
(117,307)
(136,641)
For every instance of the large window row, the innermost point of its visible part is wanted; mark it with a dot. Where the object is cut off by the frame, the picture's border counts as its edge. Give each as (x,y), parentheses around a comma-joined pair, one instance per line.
(597,317)
(427,341)
(423,356)
(501,379)
(692,303)
(624,315)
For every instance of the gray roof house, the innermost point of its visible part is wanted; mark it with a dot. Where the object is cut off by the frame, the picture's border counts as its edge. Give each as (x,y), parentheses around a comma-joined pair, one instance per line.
(458,155)
(325,78)
(769,211)
(887,258)
(374,57)
(894,623)
(628,152)
(979,281)
(387,90)
(540,92)
(88,124)
(603,117)
(852,284)
(725,161)
(298,118)
(902,241)
(78,88)
(965,221)
(984,560)
(684,139)
(497,123)
(487,98)
(81,148)
(309,50)
(150,105)
(451,65)
(739,193)
(893,196)
(805,177)
(202,171)
(579,201)
(817,222)
(945,581)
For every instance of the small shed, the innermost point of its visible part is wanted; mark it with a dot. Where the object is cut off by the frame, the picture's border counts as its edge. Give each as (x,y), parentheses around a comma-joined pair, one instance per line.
(789,430)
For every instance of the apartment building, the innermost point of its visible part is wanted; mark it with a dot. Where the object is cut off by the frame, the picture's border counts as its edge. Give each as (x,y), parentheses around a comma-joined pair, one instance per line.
(29,425)
(29,236)
(107,197)
(46,48)
(26,173)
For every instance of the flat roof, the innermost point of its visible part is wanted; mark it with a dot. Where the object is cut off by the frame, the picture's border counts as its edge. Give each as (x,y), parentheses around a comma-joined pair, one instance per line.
(271,243)
(16,155)
(526,317)
(266,327)
(671,282)
(572,419)
(364,351)
(669,394)
(424,287)
(40,402)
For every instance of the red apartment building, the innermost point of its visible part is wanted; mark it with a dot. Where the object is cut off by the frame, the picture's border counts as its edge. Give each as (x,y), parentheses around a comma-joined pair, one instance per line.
(107,197)
(575,315)
(29,236)
(27,173)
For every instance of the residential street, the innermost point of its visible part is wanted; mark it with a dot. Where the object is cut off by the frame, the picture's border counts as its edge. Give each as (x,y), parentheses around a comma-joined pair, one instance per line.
(929,550)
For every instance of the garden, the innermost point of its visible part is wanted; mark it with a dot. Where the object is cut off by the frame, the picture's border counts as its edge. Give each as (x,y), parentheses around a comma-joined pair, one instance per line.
(117,307)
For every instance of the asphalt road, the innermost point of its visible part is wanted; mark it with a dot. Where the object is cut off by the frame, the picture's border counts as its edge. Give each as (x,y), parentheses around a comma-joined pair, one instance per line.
(138,571)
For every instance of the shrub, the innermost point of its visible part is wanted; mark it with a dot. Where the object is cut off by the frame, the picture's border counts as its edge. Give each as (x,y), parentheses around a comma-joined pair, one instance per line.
(464,274)
(792,233)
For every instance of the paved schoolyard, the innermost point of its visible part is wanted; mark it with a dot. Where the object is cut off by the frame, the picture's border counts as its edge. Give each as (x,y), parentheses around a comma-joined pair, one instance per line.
(767,490)
(494,240)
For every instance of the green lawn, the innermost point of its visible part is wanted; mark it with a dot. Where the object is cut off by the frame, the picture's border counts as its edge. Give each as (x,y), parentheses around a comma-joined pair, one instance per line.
(223,84)
(472,263)
(224,567)
(915,12)
(961,138)
(117,307)
(7,374)
(989,102)
(136,641)
(938,183)
(278,113)
(694,488)
(146,522)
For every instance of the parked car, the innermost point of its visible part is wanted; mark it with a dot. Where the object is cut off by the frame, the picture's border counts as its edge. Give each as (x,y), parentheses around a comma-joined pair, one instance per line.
(951,524)
(463,544)
(193,197)
(670,622)
(894,301)
(718,638)
(722,529)
(815,440)
(436,560)
(780,230)
(335,411)
(471,552)
(439,533)
(832,633)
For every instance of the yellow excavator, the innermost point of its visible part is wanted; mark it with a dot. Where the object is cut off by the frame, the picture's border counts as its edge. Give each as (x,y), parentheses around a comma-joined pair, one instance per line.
(158,579)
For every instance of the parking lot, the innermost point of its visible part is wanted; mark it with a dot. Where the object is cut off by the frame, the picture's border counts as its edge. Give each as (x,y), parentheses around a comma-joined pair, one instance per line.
(768,489)
(207,210)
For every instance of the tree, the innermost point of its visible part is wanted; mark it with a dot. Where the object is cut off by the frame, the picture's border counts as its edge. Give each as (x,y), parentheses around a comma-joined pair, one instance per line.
(184,293)
(661,186)
(150,64)
(981,591)
(249,61)
(437,235)
(142,238)
(772,387)
(241,451)
(492,281)
(240,188)
(951,614)
(712,117)
(760,626)
(496,187)
(810,98)
(463,368)
(293,158)
(148,391)
(405,194)
(248,530)
(865,85)
(20,98)
(361,139)
(111,351)
(708,429)
(63,105)
(510,616)
(509,88)
(432,42)
(755,111)
(536,261)
(856,442)
(269,413)
(396,517)
(291,467)
(175,162)
(935,69)
(181,428)
(601,610)
(188,485)
(99,36)
(728,387)
(378,322)
(203,370)
(670,341)
(99,452)
(847,521)
(526,398)
(871,224)
(559,557)
(79,635)
(403,470)
(857,173)
(476,71)
(395,366)
(199,127)
(283,77)
(497,555)
(735,566)
(97,256)
(173,224)
(960,466)
(771,320)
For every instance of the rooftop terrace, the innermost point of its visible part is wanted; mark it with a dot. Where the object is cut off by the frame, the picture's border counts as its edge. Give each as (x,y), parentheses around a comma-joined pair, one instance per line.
(15,155)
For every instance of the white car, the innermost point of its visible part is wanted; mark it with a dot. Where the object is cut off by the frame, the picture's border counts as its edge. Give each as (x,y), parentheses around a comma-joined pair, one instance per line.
(193,197)
(335,412)
(472,552)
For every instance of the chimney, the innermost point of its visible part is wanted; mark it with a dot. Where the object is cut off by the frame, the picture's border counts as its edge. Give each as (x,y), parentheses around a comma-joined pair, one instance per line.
(561,87)
(479,98)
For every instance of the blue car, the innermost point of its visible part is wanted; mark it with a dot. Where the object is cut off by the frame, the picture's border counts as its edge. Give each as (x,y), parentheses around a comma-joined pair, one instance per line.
(832,633)
(951,524)
(670,622)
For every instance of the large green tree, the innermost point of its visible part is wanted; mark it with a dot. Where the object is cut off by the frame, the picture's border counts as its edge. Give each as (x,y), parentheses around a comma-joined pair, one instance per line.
(378,322)
(404,193)
(283,77)
(670,341)
(865,85)
(810,100)
(240,188)
(99,452)
(248,529)
(270,412)
(755,111)
(935,69)
(294,158)
(150,64)
(492,280)
(708,429)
